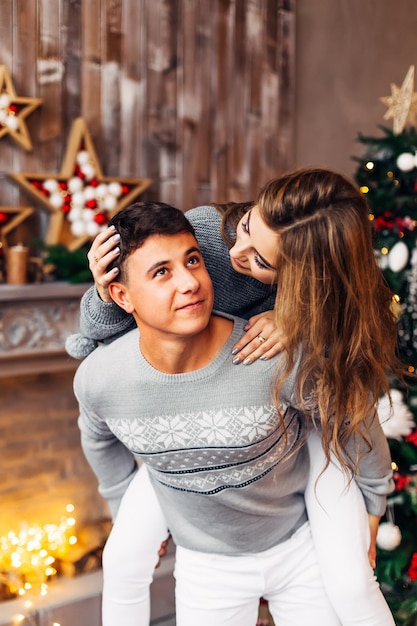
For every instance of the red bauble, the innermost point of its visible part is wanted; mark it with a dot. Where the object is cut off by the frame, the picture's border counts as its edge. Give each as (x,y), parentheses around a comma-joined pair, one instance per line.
(4,218)
(101,219)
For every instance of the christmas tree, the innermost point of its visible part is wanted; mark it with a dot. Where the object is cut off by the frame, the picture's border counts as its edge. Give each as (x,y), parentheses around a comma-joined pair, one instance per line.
(387,175)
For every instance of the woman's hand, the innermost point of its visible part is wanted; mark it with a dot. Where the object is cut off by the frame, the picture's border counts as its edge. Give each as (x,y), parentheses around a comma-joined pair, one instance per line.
(373,521)
(262,340)
(103,251)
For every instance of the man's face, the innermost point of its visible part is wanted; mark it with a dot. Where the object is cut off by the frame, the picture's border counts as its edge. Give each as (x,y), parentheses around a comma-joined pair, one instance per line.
(168,287)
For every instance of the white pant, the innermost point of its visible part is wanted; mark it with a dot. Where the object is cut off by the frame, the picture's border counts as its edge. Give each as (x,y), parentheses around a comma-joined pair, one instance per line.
(222,590)
(339,527)
(131,554)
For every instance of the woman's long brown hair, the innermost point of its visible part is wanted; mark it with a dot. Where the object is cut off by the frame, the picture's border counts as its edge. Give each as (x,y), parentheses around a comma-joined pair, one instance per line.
(332,301)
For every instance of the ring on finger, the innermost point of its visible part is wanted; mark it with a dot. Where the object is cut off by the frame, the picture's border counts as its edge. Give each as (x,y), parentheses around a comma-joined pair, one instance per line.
(261,339)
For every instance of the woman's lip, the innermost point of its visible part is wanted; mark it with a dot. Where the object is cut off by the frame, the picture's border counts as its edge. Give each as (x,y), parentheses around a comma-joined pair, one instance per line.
(192,305)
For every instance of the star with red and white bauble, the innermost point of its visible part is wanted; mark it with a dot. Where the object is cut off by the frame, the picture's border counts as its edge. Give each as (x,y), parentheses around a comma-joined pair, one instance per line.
(14,110)
(80,199)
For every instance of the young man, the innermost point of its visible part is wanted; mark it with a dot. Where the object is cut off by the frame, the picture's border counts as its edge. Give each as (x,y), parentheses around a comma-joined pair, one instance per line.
(229,473)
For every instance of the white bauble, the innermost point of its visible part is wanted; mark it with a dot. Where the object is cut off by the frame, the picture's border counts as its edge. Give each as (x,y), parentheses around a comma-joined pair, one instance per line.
(398,257)
(397,421)
(75,214)
(405,162)
(78,228)
(77,199)
(3,116)
(89,193)
(389,536)
(92,229)
(12,122)
(88,171)
(4,101)
(88,215)
(75,184)
(51,185)
(109,203)
(56,199)
(83,157)
(101,190)
(115,189)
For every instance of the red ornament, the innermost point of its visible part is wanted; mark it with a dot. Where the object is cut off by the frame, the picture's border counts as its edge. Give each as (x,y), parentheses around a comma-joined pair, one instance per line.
(412,570)
(4,218)
(91,204)
(101,219)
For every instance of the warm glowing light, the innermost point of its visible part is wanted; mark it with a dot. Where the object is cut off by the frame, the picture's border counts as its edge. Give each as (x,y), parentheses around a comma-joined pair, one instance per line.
(364,189)
(390,174)
(370,165)
(371,217)
(384,250)
(19,619)
(396,297)
(70,508)
(411,369)
(28,554)
(394,466)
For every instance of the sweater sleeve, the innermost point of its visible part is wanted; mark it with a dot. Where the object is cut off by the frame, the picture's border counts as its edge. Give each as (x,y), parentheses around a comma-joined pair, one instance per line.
(374,476)
(113,464)
(102,320)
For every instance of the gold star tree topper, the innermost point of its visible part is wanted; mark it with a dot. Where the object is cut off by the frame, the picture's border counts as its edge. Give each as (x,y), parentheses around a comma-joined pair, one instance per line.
(14,110)
(399,102)
(79,200)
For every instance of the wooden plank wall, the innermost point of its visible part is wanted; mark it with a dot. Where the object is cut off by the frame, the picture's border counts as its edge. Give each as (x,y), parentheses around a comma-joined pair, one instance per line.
(195,94)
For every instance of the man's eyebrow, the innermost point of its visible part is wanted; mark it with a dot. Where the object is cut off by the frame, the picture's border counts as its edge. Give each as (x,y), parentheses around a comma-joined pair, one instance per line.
(166,261)
(271,267)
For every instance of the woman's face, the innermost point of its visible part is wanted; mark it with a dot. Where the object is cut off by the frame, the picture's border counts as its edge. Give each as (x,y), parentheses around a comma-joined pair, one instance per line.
(255,250)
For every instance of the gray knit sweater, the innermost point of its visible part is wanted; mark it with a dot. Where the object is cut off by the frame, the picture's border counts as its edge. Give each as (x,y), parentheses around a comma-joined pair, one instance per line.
(226,480)
(234,293)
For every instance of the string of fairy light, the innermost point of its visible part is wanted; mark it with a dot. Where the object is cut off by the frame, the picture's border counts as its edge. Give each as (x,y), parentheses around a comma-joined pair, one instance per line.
(27,559)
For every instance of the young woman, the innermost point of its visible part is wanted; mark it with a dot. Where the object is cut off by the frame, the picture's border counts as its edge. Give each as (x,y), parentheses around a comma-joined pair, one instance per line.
(309,231)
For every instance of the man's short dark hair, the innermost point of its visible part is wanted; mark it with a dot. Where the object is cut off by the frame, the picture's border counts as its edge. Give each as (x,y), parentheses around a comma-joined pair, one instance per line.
(139,221)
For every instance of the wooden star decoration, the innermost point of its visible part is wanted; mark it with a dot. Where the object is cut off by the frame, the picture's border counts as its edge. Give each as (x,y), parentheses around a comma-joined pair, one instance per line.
(10,218)
(412,113)
(79,200)
(14,110)
(399,102)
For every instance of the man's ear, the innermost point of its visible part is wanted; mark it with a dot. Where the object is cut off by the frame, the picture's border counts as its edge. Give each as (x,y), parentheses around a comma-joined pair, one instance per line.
(120,295)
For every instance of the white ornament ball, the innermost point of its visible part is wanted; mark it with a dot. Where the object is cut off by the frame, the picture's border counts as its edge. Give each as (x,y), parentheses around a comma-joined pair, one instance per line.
(109,203)
(101,190)
(4,101)
(389,536)
(77,199)
(406,162)
(88,171)
(115,189)
(78,228)
(92,229)
(88,215)
(89,193)
(56,200)
(398,257)
(12,122)
(75,184)
(75,214)
(50,185)
(83,157)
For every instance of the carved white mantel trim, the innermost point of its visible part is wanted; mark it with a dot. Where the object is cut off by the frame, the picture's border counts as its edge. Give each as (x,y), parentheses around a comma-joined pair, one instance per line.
(35,320)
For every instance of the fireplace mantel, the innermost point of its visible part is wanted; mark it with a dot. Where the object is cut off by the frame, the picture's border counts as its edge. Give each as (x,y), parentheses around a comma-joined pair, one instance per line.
(35,320)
